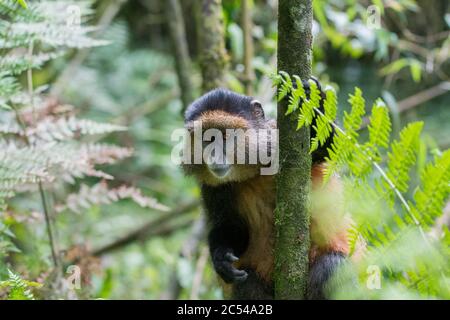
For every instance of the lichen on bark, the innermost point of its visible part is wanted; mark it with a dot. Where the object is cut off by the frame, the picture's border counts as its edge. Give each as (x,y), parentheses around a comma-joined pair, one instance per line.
(211,33)
(293,180)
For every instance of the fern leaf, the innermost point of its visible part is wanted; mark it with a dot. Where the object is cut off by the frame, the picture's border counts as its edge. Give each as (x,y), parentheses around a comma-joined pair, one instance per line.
(306,114)
(286,85)
(297,95)
(354,119)
(19,289)
(324,121)
(402,156)
(58,129)
(434,191)
(101,194)
(379,127)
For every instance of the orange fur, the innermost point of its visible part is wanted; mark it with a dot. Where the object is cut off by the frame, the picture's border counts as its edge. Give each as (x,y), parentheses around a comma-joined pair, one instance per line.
(329,224)
(256,204)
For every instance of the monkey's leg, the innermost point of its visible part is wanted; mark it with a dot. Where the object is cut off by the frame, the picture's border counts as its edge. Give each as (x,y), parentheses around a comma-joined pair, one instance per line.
(322,270)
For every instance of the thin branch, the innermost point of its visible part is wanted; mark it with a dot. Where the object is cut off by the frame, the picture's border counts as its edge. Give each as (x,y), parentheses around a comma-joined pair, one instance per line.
(247,27)
(42,194)
(154,226)
(199,270)
(211,33)
(417,99)
(188,250)
(424,96)
(175,21)
(48,223)
(145,108)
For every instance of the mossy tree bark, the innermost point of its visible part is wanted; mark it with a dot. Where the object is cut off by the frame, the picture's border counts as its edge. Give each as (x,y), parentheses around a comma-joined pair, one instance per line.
(247,26)
(211,33)
(293,180)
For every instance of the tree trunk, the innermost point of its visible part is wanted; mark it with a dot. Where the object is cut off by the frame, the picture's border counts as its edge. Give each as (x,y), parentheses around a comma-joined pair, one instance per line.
(293,180)
(212,64)
(175,21)
(247,26)
(213,57)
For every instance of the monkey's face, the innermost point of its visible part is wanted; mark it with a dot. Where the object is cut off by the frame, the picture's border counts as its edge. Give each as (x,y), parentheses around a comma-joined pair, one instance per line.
(228,148)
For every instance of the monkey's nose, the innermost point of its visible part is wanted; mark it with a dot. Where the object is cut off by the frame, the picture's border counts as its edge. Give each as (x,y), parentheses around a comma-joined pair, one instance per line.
(219,170)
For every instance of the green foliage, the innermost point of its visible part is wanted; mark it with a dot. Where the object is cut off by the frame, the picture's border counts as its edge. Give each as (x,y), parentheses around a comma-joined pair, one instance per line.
(389,223)
(376,28)
(379,127)
(403,156)
(431,195)
(6,244)
(45,147)
(19,289)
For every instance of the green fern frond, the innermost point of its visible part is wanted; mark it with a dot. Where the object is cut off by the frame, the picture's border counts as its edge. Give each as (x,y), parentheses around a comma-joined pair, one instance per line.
(434,191)
(354,119)
(386,226)
(297,95)
(306,114)
(379,128)
(340,152)
(403,155)
(286,85)
(19,288)
(324,121)
(361,161)
(353,236)
(330,104)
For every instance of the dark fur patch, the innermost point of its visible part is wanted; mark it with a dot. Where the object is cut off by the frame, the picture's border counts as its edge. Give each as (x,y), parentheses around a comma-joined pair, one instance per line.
(319,285)
(221,99)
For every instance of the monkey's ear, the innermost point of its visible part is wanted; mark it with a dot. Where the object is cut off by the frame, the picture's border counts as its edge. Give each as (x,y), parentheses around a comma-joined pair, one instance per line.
(257,109)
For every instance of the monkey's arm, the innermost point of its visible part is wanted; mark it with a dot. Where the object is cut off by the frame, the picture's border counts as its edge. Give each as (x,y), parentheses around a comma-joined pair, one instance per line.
(329,234)
(228,237)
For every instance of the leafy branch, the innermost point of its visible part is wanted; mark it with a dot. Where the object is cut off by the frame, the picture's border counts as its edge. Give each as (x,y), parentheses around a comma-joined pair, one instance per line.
(390,182)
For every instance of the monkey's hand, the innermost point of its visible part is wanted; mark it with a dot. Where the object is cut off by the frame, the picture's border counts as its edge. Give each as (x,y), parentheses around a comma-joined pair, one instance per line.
(223,259)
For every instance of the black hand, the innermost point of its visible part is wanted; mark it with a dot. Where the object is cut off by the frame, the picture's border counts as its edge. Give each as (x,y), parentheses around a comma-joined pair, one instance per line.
(223,263)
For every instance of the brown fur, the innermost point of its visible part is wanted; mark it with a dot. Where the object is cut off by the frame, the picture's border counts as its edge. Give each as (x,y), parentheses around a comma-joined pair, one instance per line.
(256,204)
(329,225)
(222,120)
